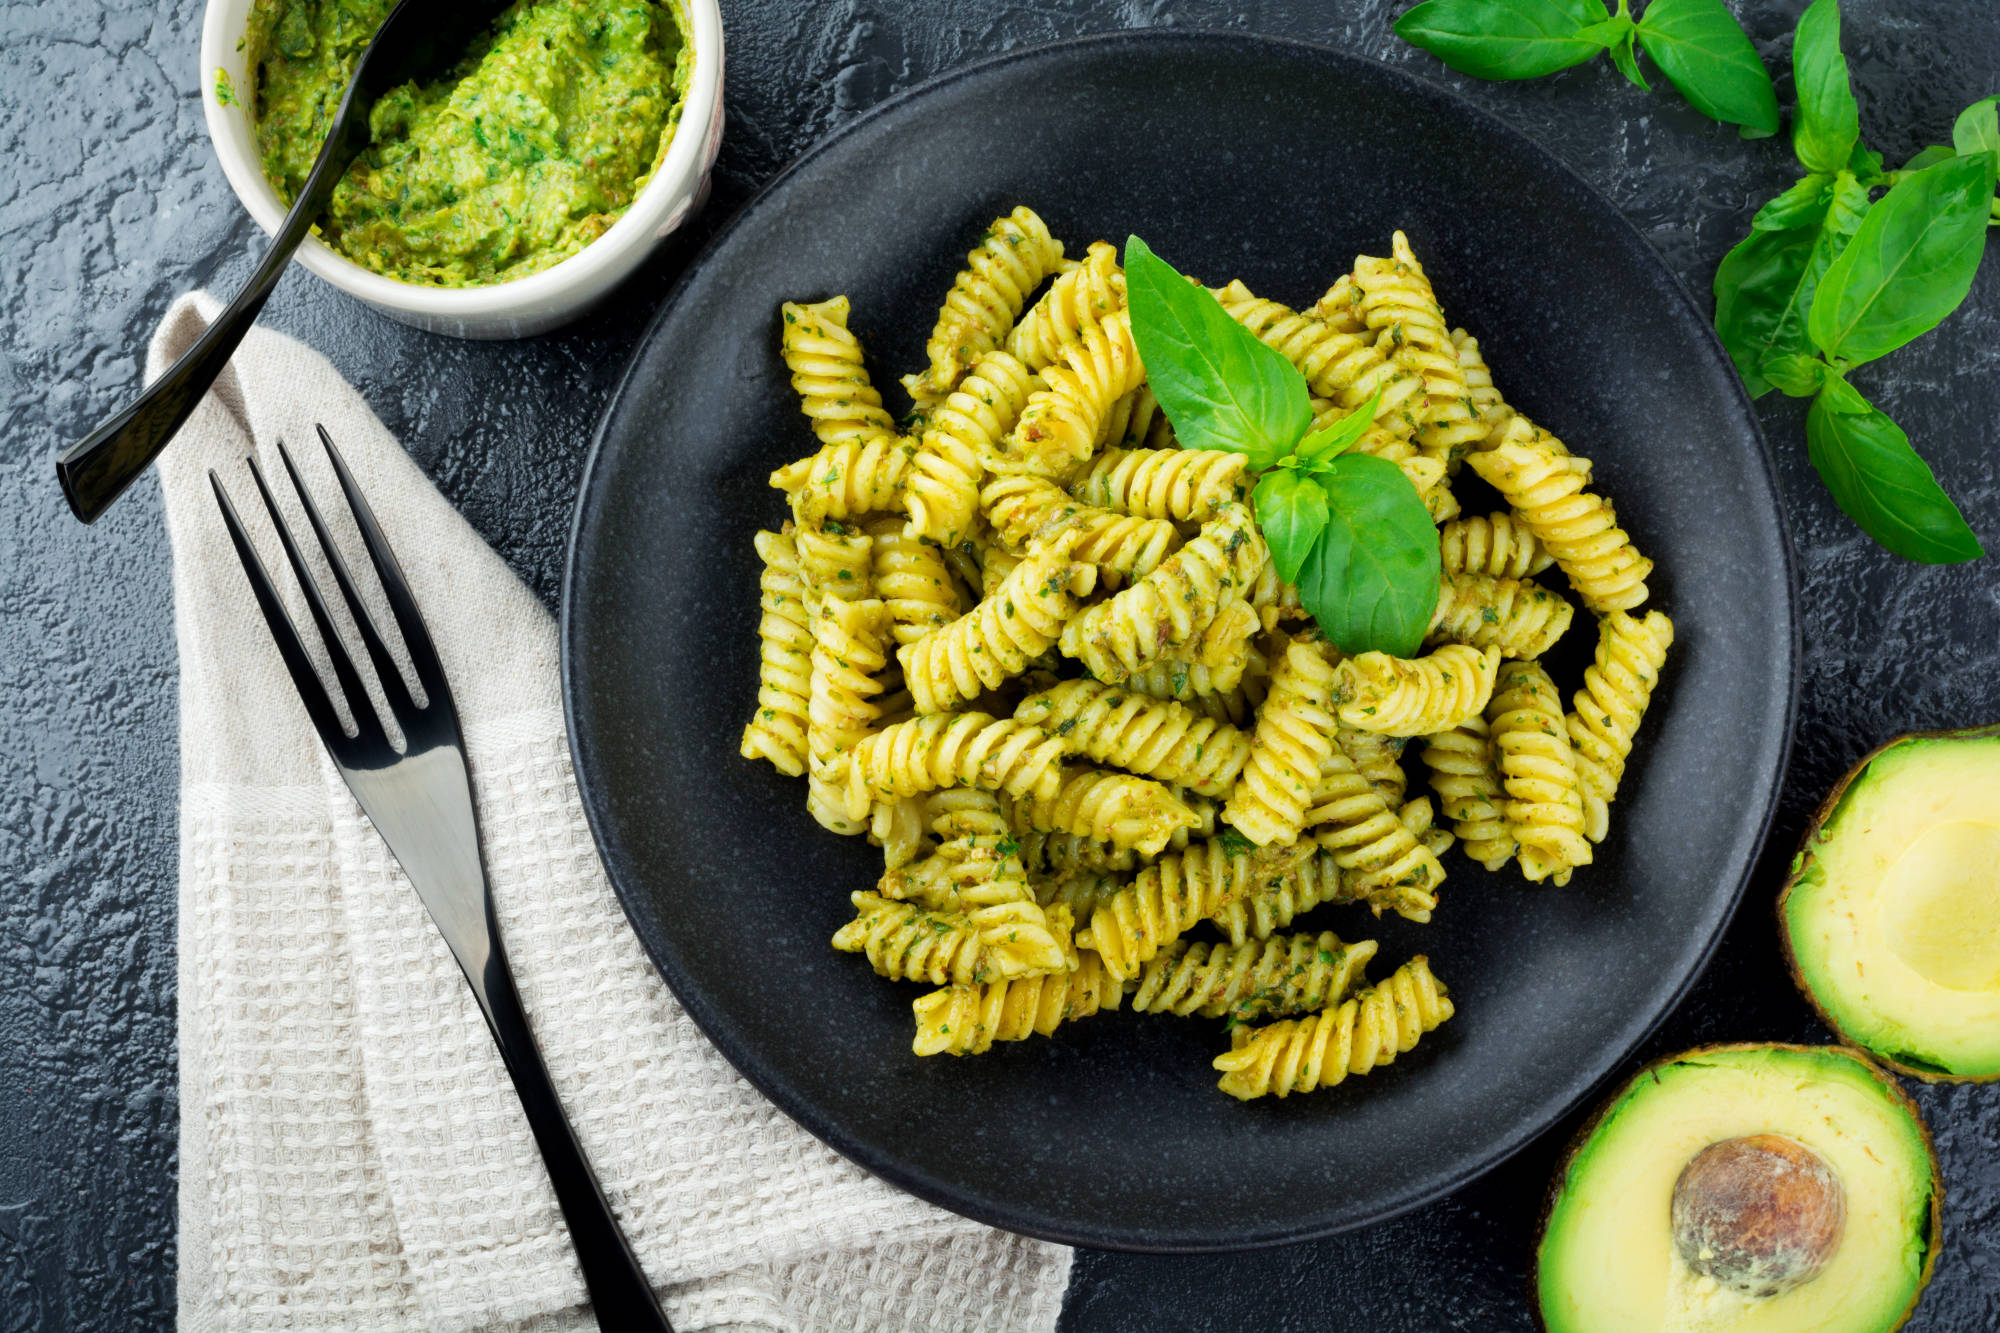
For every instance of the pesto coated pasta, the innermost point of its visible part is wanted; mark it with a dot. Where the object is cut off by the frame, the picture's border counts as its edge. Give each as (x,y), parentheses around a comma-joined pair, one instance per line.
(1040,655)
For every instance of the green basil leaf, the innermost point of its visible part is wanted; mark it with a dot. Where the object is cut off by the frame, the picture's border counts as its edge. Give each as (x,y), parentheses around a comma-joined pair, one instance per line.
(1504,39)
(1795,374)
(1977,129)
(1837,395)
(1322,445)
(1752,285)
(1291,510)
(1929,157)
(1703,51)
(1804,205)
(1909,265)
(1628,64)
(1828,123)
(1614,32)
(1865,163)
(1847,205)
(1219,386)
(1878,481)
(1371,581)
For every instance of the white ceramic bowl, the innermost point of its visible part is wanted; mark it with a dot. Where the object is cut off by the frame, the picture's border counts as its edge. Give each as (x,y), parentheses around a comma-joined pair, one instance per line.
(516,309)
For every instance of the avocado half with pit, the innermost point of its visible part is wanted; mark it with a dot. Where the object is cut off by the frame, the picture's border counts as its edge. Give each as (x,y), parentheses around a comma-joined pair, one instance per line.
(1744,1189)
(1891,916)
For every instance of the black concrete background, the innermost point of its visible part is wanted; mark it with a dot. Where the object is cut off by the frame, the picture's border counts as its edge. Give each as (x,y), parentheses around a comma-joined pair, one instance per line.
(111,203)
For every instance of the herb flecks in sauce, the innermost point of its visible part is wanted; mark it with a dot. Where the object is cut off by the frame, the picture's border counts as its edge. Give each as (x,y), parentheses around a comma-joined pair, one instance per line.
(529,150)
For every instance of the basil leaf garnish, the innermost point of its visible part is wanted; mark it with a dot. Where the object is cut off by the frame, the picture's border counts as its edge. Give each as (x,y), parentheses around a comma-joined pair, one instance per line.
(1504,39)
(1322,445)
(1371,581)
(1909,265)
(1219,386)
(1292,511)
(1977,129)
(1878,481)
(1828,122)
(1703,51)
(1804,205)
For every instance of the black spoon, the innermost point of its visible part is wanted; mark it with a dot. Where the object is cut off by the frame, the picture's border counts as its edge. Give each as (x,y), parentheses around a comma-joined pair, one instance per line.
(420,40)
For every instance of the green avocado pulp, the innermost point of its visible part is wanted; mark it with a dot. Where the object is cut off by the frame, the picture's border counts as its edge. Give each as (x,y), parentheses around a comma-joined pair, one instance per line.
(526,152)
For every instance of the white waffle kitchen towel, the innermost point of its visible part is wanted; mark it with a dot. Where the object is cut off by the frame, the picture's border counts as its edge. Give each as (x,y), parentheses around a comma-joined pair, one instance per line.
(352,1156)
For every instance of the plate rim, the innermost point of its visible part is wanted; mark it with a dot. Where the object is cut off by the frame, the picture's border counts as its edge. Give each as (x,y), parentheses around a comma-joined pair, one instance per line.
(923,1184)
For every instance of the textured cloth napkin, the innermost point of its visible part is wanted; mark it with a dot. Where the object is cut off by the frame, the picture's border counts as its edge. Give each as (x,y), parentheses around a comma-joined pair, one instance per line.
(352,1155)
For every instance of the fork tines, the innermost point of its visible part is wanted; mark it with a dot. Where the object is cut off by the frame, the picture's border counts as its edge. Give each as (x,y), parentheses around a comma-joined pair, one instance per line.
(369,746)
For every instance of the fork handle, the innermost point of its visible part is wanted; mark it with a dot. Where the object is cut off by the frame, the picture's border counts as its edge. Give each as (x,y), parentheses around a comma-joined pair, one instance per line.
(620,1296)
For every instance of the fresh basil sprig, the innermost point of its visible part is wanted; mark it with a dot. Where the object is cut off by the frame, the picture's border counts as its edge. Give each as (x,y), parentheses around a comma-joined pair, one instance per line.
(1831,277)
(1697,44)
(1348,529)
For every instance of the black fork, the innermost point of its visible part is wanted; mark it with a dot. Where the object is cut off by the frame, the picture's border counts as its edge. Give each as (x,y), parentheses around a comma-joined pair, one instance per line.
(420,800)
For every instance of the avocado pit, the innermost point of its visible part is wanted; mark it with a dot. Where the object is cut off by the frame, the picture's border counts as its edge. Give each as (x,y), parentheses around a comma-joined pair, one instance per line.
(1760,1214)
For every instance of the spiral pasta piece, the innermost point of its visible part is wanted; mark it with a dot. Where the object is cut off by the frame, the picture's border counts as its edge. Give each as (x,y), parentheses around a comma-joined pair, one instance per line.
(897,827)
(1020,507)
(1185,485)
(1156,738)
(1064,420)
(1341,306)
(835,561)
(1606,712)
(1466,779)
(911,578)
(1343,366)
(1195,686)
(986,298)
(1088,292)
(1079,890)
(1420,818)
(777,731)
(852,477)
(1288,883)
(1497,545)
(1302,1054)
(953,750)
(967,1020)
(941,488)
(1286,974)
(1172,604)
(829,374)
(1415,696)
(1137,422)
(1115,808)
(908,942)
(1376,757)
(1538,769)
(1398,303)
(1380,859)
(1520,619)
(1169,896)
(1545,487)
(1487,404)
(1013,624)
(849,648)
(1274,600)
(1293,737)
(1225,648)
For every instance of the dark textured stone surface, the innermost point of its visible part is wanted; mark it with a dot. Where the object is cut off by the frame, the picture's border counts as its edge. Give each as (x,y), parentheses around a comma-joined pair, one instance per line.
(111,202)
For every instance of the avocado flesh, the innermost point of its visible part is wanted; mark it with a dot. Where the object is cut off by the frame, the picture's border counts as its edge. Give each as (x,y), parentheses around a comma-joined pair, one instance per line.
(1893,913)
(1607,1262)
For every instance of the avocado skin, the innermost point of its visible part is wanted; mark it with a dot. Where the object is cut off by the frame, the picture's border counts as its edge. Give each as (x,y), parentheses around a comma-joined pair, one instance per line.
(1934,1241)
(1804,859)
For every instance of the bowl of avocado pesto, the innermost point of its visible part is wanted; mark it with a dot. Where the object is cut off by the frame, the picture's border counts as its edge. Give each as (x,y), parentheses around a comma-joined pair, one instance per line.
(502,199)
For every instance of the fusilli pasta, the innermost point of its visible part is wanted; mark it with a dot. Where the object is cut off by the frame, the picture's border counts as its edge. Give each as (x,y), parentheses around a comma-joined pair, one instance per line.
(1302,1054)
(1538,768)
(1605,713)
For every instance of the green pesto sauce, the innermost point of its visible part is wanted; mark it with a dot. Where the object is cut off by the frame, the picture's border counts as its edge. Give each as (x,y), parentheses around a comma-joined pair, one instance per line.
(526,152)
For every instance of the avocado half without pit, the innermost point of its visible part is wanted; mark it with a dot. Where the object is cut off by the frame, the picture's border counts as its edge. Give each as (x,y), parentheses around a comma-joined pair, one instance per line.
(1743,1189)
(1891,916)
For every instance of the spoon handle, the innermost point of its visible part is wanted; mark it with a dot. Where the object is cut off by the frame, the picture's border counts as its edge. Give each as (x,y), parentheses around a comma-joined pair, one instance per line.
(96,469)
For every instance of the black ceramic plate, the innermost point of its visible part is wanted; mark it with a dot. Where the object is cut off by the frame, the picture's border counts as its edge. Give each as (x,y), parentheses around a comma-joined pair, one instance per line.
(1276,163)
